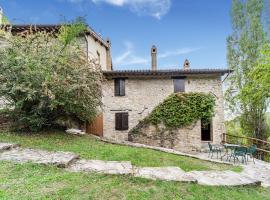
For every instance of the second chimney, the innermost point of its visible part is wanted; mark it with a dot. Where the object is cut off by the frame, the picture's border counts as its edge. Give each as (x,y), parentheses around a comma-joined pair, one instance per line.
(186,65)
(154,57)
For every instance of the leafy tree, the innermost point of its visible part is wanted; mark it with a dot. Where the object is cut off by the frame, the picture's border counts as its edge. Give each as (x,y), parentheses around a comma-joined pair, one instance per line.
(47,77)
(248,37)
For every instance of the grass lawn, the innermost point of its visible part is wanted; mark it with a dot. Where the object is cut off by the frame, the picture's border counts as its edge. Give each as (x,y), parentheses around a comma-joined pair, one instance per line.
(30,181)
(90,148)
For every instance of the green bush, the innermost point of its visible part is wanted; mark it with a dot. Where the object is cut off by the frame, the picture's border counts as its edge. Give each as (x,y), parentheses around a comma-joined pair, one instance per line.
(182,109)
(46,77)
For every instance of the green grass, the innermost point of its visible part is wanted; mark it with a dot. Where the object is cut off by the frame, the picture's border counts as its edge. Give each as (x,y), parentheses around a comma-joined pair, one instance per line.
(90,148)
(31,181)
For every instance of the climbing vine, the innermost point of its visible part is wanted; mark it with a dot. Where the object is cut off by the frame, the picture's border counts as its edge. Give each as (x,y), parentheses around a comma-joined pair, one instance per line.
(182,109)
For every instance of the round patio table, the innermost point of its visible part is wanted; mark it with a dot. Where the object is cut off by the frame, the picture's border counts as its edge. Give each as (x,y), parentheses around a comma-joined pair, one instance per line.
(228,147)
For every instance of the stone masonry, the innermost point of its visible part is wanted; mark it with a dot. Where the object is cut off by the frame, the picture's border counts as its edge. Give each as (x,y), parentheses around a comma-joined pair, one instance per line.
(144,94)
(185,139)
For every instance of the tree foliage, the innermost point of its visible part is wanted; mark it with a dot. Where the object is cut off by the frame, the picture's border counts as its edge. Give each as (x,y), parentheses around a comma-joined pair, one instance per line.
(47,76)
(244,45)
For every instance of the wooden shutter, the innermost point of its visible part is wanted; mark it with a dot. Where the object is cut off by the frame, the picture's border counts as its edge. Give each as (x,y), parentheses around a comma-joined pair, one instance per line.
(119,87)
(179,84)
(118,121)
(116,87)
(122,87)
(124,121)
(121,121)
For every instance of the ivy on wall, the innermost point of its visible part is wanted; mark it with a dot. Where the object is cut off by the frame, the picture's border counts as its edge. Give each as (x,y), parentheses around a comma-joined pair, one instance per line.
(182,109)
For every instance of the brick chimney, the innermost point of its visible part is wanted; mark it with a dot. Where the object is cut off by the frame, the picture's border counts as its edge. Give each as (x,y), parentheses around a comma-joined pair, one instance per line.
(186,65)
(154,57)
(1,16)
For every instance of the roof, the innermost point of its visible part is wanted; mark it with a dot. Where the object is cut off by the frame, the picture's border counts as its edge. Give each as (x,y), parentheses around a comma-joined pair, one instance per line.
(165,73)
(20,28)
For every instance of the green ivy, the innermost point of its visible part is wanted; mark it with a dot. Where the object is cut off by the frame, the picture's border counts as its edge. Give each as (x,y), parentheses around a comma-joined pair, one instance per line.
(182,109)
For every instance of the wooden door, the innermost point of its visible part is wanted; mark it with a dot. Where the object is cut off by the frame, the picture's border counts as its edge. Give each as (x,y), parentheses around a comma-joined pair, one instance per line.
(96,126)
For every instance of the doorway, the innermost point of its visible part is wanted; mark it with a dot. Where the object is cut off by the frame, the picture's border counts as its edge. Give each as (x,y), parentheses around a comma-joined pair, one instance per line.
(206,130)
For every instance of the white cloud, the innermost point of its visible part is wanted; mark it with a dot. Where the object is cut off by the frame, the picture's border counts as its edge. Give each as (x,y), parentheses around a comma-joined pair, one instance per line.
(128,57)
(154,8)
(177,52)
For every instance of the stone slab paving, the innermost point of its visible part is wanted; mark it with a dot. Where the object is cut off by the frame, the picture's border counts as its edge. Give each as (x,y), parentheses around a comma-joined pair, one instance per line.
(222,178)
(260,170)
(253,174)
(7,146)
(108,167)
(164,173)
(20,155)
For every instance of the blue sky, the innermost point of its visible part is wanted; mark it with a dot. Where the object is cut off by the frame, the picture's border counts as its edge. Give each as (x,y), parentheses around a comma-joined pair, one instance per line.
(193,29)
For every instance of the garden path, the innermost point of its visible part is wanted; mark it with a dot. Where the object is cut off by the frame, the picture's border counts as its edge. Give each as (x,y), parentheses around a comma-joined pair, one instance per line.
(252,174)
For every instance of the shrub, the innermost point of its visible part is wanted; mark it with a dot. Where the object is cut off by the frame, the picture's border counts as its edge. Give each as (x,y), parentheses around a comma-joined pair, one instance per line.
(182,109)
(46,76)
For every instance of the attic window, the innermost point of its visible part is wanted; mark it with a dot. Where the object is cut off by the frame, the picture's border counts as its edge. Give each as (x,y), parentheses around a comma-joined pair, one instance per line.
(179,84)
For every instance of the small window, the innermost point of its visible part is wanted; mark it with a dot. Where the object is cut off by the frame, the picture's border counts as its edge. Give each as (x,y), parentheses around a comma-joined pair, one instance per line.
(121,121)
(179,84)
(119,87)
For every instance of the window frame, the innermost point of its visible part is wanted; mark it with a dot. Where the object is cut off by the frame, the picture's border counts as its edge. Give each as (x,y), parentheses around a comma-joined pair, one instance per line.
(120,87)
(121,121)
(179,88)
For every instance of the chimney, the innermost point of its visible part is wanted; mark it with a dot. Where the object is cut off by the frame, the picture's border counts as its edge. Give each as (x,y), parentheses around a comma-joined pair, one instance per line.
(154,57)
(108,56)
(186,65)
(1,16)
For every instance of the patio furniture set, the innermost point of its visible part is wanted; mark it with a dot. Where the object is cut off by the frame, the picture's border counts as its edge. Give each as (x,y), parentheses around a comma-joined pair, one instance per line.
(234,151)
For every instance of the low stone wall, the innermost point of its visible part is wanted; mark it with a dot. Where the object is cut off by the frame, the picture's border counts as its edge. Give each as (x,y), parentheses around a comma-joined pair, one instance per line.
(185,139)
(5,122)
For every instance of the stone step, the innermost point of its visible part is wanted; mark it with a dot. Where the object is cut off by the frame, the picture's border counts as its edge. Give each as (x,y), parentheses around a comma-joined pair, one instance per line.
(222,178)
(108,167)
(164,173)
(6,146)
(19,155)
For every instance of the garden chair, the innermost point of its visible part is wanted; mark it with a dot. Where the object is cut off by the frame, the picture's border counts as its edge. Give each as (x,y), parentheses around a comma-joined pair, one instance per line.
(213,149)
(239,152)
(251,151)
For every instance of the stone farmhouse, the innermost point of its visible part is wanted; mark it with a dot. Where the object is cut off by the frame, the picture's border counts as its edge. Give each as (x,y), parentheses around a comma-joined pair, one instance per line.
(130,95)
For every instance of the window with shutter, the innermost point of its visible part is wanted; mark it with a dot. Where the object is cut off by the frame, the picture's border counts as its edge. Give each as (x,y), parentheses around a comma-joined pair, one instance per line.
(179,84)
(121,121)
(119,87)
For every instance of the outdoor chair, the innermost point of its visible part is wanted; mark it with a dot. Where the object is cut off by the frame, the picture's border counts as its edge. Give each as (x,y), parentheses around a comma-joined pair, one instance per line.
(239,152)
(213,149)
(251,151)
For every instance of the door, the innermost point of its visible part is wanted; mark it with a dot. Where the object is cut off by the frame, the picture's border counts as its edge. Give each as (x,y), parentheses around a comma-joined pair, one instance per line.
(96,126)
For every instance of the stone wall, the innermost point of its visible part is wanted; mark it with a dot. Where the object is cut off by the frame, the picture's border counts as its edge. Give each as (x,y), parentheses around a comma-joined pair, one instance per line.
(185,139)
(143,95)
(5,122)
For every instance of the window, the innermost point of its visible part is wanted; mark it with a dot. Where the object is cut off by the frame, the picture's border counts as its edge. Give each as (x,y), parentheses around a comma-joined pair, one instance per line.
(119,87)
(179,84)
(121,121)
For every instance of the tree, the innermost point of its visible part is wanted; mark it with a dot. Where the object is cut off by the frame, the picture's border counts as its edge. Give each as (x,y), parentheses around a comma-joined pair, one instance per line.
(47,77)
(248,37)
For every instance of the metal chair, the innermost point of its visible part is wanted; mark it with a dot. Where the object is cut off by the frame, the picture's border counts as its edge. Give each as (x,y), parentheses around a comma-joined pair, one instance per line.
(213,149)
(251,151)
(239,152)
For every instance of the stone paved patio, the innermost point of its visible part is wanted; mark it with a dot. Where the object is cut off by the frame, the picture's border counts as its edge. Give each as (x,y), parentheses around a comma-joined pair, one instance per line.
(252,174)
